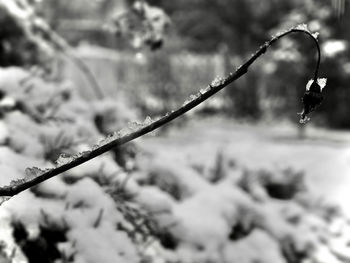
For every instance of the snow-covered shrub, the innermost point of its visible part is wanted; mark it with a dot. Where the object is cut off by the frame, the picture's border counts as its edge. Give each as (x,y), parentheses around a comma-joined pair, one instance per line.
(239,217)
(90,214)
(72,217)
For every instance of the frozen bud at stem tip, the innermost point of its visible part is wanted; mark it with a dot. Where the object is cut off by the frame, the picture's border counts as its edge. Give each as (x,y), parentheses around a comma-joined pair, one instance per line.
(312,97)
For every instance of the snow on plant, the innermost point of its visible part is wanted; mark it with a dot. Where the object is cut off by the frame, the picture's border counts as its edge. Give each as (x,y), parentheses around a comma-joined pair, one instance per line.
(311,99)
(178,206)
(87,205)
(77,206)
(225,222)
(26,123)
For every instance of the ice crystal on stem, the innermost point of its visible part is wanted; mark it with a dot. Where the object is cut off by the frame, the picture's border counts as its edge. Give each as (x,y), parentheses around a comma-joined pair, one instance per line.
(315,35)
(302,27)
(203,91)
(64,159)
(134,126)
(116,135)
(147,121)
(217,81)
(33,172)
(107,140)
(190,99)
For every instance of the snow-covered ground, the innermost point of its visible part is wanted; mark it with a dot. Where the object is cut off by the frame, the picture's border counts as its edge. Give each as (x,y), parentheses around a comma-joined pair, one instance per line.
(209,191)
(323,155)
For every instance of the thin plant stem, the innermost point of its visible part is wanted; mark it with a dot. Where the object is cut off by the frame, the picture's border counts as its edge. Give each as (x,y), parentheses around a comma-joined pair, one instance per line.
(212,89)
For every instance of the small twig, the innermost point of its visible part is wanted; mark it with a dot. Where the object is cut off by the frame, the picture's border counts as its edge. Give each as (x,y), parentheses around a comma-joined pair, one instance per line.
(195,100)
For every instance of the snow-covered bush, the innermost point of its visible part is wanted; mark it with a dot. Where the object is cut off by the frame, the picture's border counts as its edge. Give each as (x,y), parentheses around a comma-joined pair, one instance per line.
(155,210)
(41,120)
(163,210)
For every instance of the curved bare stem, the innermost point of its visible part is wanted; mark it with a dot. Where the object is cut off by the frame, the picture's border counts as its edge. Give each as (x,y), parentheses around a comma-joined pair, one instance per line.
(118,139)
(313,37)
(62,46)
(79,63)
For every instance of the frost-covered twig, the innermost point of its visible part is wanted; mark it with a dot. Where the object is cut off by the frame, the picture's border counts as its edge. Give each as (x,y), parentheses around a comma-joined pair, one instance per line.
(64,163)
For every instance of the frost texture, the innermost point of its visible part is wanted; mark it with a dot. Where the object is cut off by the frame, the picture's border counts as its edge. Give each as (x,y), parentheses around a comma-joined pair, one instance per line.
(134,126)
(33,172)
(81,154)
(308,85)
(320,81)
(114,136)
(315,35)
(64,159)
(202,91)
(190,99)
(17,182)
(302,27)
(217,81)
(147,121)
(108,139)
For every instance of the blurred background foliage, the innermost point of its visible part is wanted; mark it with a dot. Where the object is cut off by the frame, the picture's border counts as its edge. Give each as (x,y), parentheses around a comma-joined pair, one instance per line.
(258,204)
(206,39)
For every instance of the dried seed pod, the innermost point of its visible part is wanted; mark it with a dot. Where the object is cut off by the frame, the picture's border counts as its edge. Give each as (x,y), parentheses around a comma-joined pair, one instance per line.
(312,98)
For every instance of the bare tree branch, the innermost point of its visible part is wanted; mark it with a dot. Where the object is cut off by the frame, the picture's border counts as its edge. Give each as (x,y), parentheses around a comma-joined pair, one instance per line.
(65,163)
